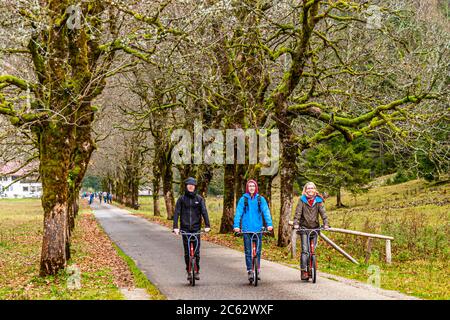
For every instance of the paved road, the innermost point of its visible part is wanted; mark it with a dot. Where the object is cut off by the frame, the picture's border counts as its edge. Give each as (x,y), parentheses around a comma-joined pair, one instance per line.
(159,254)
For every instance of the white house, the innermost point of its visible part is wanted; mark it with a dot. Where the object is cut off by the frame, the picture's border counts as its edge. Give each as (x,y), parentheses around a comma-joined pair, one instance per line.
(145,192)
(27,187)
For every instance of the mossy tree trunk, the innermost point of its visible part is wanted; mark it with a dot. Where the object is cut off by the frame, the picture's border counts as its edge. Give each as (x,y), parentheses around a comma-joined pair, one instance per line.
(54,170)
(226,224)
(339,203)
(156,189)
(65,144)
(71,59)
(240,181)
(119,191)
(132,173)
(81,154)
(167,180)
(204,178)
(288,172)
(265,188)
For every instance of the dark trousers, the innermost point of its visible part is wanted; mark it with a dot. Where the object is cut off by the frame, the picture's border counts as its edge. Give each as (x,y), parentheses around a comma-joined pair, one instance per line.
(195,240)
(305,247)
(248,249)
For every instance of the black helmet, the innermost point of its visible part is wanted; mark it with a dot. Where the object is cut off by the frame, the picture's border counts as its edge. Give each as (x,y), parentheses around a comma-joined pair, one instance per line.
(190,180)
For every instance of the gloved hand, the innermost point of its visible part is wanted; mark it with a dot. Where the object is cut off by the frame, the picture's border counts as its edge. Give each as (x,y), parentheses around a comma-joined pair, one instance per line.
(296,226)
(207,229)
(176,231)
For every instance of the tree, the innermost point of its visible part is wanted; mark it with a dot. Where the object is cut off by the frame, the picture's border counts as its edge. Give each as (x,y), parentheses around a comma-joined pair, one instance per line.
(91,182)
(70,62)
(336,164)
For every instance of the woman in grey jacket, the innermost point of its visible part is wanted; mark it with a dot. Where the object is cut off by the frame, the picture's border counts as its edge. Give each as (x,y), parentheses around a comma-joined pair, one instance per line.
(309,206)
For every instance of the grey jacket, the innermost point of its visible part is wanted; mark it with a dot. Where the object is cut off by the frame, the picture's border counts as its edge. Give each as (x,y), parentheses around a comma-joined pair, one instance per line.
(308,216)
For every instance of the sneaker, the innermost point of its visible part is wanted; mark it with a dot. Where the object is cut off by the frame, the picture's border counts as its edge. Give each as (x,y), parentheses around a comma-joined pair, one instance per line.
(189,276)
(197,276)
(304,275)
(250,275)
(259,274)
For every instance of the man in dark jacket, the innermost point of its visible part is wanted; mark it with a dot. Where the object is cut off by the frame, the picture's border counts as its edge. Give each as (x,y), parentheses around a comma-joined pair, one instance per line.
(190,209)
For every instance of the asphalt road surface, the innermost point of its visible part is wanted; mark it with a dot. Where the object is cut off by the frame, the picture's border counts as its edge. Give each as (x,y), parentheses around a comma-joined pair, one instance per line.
(159,254)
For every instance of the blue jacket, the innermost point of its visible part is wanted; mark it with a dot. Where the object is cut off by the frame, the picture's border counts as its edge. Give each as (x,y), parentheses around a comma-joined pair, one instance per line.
(316,200)
(252,219)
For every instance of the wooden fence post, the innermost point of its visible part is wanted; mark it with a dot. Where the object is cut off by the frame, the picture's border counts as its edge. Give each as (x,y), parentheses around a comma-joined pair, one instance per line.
(340,250)
(369,249)
(293,243)
(388,252)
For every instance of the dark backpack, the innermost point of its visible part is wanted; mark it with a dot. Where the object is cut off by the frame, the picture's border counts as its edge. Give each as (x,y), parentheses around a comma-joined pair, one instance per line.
(259,210)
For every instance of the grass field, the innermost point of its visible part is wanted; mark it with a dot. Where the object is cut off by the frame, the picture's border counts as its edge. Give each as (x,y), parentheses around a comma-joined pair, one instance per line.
(102,271)
(414,213)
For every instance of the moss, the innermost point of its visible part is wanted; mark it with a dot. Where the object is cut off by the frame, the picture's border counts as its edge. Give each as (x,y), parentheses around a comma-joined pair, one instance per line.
(29,117)
(15,81)
(70,181)
(14,120)
(76,170)
(59,21)
(73,175)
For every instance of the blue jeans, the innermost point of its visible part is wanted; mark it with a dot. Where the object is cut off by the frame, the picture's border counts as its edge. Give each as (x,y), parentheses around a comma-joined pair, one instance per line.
(248,248)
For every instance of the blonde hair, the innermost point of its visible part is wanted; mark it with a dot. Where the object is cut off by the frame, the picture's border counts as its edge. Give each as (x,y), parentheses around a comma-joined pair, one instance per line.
(307,185)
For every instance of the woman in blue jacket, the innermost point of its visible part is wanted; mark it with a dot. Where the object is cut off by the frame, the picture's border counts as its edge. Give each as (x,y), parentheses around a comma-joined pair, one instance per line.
(250,211)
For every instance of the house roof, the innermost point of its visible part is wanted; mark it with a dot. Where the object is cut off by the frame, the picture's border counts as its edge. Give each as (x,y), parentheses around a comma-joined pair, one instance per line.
(10,167)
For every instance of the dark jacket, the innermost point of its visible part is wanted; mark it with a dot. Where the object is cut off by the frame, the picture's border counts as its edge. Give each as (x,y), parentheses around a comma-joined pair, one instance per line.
(308,216)
(190,209)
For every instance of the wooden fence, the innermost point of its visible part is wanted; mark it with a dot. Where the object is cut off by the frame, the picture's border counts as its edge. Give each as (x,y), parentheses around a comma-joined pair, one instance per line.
(370,237)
